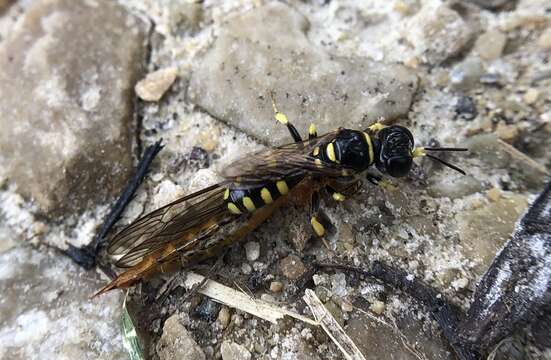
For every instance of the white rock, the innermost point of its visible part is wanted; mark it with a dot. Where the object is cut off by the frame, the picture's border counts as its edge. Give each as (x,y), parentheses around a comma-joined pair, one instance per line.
(155,84)
(252,249)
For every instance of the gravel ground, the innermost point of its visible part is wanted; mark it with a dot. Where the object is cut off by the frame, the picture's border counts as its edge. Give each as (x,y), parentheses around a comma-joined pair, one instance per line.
(87,85)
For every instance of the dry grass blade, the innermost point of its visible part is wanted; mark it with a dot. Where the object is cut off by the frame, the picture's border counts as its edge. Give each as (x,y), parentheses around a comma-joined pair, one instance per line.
(332,327)
(239,300)
(511,150)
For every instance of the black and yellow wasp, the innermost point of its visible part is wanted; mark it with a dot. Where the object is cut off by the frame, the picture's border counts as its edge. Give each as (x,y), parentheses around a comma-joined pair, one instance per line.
(199,225)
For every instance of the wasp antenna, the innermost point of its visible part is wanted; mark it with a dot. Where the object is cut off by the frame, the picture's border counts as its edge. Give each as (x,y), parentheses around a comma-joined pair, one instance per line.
(445,149)
(446,163)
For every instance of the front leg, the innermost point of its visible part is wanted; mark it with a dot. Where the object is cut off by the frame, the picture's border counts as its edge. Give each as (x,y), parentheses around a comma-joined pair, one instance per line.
(282,118)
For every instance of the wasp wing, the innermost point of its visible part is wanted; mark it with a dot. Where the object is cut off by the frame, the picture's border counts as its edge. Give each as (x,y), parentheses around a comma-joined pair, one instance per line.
(283,162)
(169,224)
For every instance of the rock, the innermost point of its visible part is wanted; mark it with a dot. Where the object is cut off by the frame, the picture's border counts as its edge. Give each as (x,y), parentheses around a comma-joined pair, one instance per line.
(378,307)
(177,343)
(338,284)
(233,351)
(544,41)
(460,283)
(46,309)
(437,33)
(66,86)
(276,286)
(453,187)
(291,267)
(253,56)
(531,96)
(252,249)
(507,132)
(483,231)
(155,84)
(207,310)
(467,74)
(466,108)
(246,269)
(409,340)
(490,45)
(494,194)
(224,316)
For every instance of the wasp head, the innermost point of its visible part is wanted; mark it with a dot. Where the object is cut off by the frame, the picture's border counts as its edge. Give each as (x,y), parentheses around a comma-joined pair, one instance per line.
(395,153)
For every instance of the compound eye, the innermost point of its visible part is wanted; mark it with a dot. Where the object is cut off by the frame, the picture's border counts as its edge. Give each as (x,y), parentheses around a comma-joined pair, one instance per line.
(399,166)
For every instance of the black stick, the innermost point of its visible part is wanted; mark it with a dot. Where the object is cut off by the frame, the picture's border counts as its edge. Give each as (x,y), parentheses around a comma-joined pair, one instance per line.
(86,256)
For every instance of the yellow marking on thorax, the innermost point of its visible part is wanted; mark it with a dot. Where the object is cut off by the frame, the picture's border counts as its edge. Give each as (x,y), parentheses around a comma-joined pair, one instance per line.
(370,148)
(248,203)
(266,196)
(233,208)
(317,226)
(377,127)
(330,150)
(339,197)
(316,151)
(226,194)
(282,187)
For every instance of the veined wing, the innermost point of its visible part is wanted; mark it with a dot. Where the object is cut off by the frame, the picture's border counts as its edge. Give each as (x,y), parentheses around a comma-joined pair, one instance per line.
(189,215)
(287,161)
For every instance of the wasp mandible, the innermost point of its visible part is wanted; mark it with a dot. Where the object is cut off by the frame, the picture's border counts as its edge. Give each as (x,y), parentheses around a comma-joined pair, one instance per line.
(199,225)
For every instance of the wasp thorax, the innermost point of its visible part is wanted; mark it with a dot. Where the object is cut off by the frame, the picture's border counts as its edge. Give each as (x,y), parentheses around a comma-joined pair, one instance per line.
(354,151)
(395,151)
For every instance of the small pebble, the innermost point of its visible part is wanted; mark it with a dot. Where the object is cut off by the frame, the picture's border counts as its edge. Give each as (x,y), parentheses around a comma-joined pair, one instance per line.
(490,45)
(252,249)
(292,267)
(460,283)
(494,194)
(234,351)
(224,316)
(378,307)
(466,108)
(237,320)
(155,84)
(507,132)
(346,306)
(276,286)
(531,96)
(544,40)
(246,268)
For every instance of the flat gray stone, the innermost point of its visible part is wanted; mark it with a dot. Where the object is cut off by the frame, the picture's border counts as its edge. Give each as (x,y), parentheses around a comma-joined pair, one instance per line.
(177,343)
(46,311)
(66,86)
(267,49)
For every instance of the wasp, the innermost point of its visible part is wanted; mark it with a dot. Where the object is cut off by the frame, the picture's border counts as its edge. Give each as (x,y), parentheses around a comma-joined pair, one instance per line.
(200,225)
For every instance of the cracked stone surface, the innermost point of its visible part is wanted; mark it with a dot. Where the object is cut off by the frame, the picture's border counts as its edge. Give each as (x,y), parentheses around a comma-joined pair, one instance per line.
(235,78)
(66,102)
(46,313)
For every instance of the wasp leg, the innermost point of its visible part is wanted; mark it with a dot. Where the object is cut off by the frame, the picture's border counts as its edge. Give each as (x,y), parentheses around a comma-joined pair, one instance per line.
(315,219)
(282,118)
(374,179)
(312,131)
(382,183)
(341,192)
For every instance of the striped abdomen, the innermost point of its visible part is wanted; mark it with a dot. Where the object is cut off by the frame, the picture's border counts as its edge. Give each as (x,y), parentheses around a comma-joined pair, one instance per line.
(248,200)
